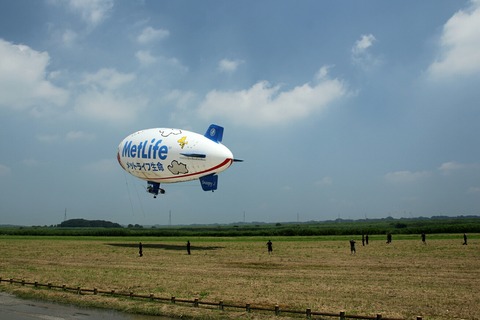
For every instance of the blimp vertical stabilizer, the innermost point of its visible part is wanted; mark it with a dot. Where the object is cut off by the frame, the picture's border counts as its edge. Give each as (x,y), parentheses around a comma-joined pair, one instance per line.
(164,155)
(214,133)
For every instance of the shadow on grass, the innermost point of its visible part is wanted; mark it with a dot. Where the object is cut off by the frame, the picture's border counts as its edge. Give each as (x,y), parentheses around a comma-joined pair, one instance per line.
(165,246)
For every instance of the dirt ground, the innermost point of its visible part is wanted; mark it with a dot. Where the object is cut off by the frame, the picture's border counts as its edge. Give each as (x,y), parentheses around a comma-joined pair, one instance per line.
(405,279)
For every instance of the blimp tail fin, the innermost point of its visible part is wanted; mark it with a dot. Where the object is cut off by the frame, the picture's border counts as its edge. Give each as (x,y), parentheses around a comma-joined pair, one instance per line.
(214,133)
(209,183)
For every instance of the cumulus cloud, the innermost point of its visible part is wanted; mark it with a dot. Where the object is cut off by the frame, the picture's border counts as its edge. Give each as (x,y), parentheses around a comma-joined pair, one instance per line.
(31,162)
(361,56)
(149,35)
(145,58)
(24,80)
(69,136)
(4,170)
(365,42)
(108,106)
(69,37)
(103,98)
(449,167)
(325,181)
(109,79)
(92,12)
(406,176)
(229,66)
(101,166)
(264,104)
(79,135)
(48,138)
(459,45)
(474,190)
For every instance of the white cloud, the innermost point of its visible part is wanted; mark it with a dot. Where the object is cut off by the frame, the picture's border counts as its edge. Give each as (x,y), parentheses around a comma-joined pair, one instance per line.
(459,45)
(109,79)
(406,176)
(108,106)
(448,167)
(79,135)
(229,66)
(4,170)
(48,138)
(263,104)
(474,190)
(104,98)
(93,12)
(149,35)
(325,181)
(23,79)
(145,58)
(361,56)
(102,166)
(365,42)
(69,37)
(30,162)
(71,135)
(181,99)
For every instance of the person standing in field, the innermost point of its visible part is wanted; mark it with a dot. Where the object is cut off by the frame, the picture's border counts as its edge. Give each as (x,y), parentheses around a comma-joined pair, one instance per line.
(188,246)
(389,238)
(352,247)
(464,239)
(140,249)
(424,238)
(363,240)
(269,246)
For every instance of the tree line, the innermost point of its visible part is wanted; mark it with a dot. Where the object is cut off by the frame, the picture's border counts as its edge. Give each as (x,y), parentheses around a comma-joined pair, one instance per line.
(82,227)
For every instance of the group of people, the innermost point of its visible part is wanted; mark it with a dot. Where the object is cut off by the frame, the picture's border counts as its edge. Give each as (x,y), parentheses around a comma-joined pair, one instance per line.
(352,243)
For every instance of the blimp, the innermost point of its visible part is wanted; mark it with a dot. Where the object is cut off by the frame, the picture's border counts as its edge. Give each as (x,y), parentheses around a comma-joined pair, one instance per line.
(164,155)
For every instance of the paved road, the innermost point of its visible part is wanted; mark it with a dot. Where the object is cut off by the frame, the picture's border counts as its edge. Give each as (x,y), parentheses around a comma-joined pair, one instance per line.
(13,308)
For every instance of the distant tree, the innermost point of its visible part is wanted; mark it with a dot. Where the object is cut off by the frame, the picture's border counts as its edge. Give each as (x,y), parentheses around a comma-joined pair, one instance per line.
(82,223)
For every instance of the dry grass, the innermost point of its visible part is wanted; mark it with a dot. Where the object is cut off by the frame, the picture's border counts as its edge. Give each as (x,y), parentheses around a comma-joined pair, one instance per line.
(440,280)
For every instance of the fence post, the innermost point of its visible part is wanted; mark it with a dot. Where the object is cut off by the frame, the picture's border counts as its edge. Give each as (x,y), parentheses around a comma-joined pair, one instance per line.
(247,307)
(195,303)
(277,309)
(342,315)
(308,313)
(95,291)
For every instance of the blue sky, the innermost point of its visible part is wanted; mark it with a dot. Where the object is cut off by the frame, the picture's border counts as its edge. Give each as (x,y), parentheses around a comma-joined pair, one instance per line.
(347,109)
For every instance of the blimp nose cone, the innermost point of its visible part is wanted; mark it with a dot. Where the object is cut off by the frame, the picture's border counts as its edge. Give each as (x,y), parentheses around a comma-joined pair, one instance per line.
(224,152)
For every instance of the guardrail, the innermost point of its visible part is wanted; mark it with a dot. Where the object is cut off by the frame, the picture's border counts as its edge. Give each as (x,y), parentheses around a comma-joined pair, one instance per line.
(342,315)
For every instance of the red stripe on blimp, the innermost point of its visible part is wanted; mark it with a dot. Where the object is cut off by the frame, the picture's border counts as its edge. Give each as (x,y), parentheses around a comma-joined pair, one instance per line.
(202,173)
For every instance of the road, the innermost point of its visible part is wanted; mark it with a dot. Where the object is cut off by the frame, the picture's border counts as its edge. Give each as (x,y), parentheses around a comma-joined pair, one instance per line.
(13,308)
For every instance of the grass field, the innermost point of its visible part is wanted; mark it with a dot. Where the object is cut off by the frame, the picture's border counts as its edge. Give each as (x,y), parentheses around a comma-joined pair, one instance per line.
(439,280)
